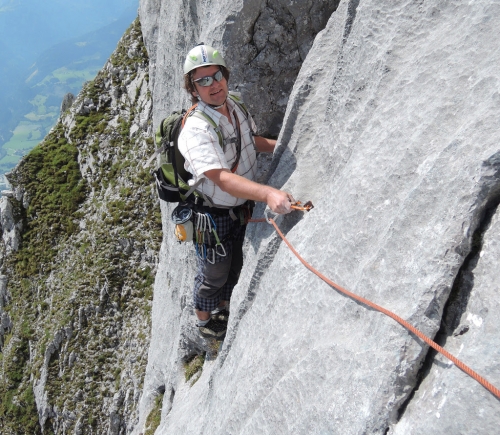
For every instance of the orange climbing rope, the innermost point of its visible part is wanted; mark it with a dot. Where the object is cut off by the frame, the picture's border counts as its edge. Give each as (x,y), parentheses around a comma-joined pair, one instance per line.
(398,319)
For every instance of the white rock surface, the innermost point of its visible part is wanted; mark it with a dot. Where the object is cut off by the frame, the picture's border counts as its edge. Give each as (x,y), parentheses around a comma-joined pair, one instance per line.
(9,229)
(447,401)
(392,131)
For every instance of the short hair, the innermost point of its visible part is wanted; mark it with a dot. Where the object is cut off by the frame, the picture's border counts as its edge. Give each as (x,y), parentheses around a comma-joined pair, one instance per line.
(189,85)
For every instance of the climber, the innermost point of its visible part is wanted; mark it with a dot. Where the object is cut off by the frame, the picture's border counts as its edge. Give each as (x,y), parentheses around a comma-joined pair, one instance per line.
(228,180)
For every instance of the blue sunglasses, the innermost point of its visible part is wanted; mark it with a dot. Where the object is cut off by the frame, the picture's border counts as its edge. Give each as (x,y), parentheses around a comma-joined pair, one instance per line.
(207,81)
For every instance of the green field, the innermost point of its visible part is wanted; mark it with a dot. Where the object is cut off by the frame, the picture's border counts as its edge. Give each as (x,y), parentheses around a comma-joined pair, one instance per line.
(65,76)
(31,98)
(26,135)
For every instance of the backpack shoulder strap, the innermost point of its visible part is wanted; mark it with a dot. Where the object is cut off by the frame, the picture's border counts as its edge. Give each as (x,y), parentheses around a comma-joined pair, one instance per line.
(202,115)
(188,113)
(239,102)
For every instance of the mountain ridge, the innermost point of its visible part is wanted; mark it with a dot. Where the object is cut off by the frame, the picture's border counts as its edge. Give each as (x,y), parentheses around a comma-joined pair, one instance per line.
(78,266)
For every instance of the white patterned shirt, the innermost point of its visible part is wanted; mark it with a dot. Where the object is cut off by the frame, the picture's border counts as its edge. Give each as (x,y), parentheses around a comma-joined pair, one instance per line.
(199,144)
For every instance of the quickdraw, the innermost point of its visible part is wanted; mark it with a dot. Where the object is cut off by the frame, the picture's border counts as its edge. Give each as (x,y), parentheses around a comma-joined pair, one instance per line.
(306,207)
(218,244)
(205,225)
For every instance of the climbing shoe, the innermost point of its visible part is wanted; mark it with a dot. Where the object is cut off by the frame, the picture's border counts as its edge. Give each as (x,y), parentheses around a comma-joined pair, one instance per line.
(221,315)
(213,329)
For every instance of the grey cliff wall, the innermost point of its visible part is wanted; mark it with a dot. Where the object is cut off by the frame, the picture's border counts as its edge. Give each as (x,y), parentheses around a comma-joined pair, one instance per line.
(391,129)
(263,42)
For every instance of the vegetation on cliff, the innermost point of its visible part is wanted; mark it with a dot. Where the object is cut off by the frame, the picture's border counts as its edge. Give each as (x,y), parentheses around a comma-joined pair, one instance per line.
(80,285)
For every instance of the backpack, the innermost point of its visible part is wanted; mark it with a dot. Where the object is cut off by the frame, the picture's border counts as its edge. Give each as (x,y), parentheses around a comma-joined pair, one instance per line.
(170,175)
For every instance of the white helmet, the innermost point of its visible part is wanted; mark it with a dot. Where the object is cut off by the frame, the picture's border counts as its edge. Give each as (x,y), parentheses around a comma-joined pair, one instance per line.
(202,55)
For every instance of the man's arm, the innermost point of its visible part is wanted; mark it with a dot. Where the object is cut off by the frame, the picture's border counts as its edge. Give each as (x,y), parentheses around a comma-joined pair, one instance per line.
(264,145)
(277,200)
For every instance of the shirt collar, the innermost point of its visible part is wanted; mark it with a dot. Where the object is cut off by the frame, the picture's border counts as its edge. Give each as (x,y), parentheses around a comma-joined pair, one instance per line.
(216,116)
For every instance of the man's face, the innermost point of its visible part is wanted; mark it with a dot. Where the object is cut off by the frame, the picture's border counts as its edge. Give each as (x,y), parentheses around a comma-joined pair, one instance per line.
(216,93)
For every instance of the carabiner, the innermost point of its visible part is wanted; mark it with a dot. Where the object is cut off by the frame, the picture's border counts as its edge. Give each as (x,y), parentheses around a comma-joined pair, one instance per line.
(209,222)
(223,249)
(268,219)
(213,255)
(218,243)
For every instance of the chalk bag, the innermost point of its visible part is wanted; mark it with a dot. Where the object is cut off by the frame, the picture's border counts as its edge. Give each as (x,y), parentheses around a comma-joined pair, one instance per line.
(182,218)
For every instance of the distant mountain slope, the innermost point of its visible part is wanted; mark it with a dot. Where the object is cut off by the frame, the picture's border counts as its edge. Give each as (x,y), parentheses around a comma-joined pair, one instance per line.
(10,84)
(90,48)
(30,101)
(32,26)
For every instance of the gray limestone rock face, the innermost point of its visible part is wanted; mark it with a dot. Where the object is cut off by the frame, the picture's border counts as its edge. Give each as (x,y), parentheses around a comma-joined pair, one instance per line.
(391,130)
(9,229)
(447,401)
(263,43)
(67,101)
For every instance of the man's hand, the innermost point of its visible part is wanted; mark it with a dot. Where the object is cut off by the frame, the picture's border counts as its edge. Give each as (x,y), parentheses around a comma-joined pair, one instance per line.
(279,202)
(264,145)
